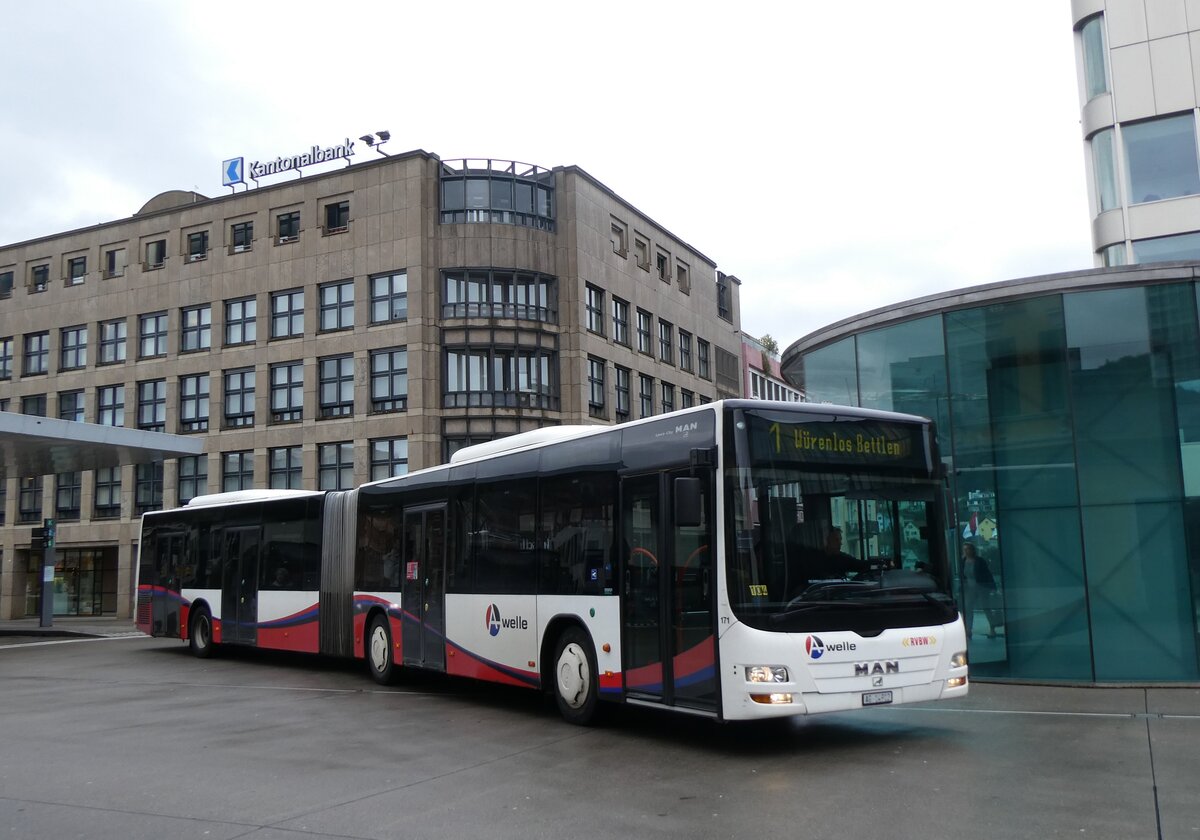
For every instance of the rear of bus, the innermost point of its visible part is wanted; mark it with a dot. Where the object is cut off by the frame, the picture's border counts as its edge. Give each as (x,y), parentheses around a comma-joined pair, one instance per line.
(838,582)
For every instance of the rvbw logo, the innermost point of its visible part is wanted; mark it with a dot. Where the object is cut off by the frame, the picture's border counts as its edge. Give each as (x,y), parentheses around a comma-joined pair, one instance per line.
(494,622)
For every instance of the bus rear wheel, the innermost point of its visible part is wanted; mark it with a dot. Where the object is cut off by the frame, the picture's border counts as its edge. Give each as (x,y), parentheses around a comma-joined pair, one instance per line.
(575,677)
(381,660)
(200,637)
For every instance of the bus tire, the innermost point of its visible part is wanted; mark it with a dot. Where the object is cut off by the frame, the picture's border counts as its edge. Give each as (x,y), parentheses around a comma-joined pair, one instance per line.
(575,677)
(200,634)
(380,656)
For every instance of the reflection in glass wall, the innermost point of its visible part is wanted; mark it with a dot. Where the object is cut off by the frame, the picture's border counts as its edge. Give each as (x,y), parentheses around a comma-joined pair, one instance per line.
(903,368)
(831,375)
(1014,482)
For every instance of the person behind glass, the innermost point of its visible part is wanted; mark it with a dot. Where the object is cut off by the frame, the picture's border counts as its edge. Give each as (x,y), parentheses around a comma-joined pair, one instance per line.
(832,562)
(979,590)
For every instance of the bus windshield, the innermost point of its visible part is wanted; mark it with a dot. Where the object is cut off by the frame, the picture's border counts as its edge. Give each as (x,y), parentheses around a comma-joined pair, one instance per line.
(835,524)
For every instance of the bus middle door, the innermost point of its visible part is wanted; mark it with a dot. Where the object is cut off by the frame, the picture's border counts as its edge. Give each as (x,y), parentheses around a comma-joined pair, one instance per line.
(239,595)
(422,595)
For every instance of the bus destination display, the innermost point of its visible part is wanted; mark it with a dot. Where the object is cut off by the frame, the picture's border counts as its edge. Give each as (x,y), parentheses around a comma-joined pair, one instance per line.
(866,442)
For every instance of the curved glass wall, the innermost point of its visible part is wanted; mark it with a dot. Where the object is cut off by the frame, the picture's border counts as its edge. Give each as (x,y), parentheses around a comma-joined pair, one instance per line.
(497,191)
(1070,425)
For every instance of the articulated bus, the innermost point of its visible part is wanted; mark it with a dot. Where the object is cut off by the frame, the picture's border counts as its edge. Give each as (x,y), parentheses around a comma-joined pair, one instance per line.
(739,560)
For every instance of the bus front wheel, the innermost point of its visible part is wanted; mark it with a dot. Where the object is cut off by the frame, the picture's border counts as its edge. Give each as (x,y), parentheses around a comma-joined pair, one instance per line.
(575,677)
(381,660)
(200,637)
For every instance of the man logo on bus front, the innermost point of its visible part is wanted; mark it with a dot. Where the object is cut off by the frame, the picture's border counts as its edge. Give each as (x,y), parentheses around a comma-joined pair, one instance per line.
(493,620)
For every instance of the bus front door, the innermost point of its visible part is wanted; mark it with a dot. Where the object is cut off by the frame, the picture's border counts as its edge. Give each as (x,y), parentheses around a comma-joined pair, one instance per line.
(422,595)
(239,595)
(669,643)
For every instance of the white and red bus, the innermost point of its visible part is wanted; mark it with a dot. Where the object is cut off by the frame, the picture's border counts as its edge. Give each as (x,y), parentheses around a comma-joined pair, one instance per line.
(688,561)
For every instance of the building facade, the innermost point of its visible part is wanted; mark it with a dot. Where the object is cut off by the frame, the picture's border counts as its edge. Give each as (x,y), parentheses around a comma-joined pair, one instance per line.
(762,378)
(1139,83)
(335,329)
(1068,415)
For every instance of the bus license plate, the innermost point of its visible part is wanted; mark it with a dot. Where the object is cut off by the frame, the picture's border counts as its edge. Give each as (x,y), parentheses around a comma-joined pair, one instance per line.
(877,698)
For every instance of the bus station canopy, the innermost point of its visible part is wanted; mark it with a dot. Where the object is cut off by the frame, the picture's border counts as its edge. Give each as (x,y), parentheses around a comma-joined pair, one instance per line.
(32,446)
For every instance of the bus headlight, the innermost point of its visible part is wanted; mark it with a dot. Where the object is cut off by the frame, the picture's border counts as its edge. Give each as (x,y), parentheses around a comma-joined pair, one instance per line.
(766,674)
(959,660)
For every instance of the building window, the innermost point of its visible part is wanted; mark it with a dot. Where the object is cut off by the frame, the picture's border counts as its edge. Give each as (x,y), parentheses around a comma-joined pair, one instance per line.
(193,402)
(685,350)
(114,263)
(724,308)
(389,458)
(496,191)
(287,227)
(337,217)
(72,351)
(156,254)
(106,503)
(641,252)
(666,340)
(76,270)
(70,406)
(1113,255)
(68,495)
(6,284)
(110,405)
(6,357)
(1094,73)
(1160,155)
(239,397)
(1103,164)
(152,335)
(34,405)
(643,332)
(197,246)
(622,384)
(29,500)
(619,237)
(645,395)
(241,236)
(37,354)
(620,317)
(337,386)
(285,468)
(193,477)
(668,397)
(240,321)
(686,398)
(389,380)
(335,466)
(112,342)
(500,376)
(1183,246)
(596,387)
(389,297)
(196,328)
(337,305)
(148,487)
(39,278)
(702,359)
(237,471)
(683,278)
(482,293)
(662,265)
(152,405)
(287,392)
(287,313)
(595,309)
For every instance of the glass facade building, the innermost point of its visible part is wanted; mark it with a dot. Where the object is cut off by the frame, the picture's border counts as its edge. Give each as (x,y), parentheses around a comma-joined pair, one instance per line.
(1068,412)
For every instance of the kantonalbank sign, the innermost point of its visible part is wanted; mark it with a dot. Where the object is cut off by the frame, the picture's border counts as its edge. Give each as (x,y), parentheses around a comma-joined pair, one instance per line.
(233,171)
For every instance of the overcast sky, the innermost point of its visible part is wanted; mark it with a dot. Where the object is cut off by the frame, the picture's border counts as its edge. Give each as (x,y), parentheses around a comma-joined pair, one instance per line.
(835,156)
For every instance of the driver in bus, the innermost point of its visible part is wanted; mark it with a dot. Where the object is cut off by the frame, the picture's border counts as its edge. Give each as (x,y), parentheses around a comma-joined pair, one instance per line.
(831,561)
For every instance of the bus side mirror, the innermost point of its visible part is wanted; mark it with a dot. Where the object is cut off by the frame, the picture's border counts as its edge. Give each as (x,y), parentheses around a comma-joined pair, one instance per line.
(689,503)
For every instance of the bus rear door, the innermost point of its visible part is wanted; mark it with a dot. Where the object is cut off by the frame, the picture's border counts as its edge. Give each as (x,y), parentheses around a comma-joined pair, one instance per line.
(669,643)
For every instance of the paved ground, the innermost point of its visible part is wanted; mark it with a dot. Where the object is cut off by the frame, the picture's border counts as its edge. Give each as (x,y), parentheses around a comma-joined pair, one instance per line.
(127,737)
